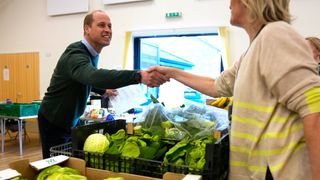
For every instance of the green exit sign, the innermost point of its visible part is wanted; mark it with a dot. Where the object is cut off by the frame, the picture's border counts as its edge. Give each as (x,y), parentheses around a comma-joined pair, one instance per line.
(173,14)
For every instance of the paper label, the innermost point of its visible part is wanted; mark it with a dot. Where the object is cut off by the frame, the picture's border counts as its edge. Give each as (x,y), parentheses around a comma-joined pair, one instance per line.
(6,74)
(9,174)
(129,97)
(42,164)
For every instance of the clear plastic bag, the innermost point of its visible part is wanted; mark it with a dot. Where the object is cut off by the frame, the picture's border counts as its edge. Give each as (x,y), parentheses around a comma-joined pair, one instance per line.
(154,116)
(155,121)
(192,120)
(199,120)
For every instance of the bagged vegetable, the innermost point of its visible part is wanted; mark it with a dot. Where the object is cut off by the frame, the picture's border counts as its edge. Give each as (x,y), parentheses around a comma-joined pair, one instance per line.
(198,120)
(155,121)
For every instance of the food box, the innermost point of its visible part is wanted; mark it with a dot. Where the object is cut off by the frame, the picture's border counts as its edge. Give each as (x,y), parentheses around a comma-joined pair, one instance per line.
(98,174)
(19,110)
(175,176)
(25,169)
(28,172)
(216,167)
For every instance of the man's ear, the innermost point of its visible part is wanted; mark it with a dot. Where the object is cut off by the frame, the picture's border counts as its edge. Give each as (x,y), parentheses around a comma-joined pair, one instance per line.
(86,28)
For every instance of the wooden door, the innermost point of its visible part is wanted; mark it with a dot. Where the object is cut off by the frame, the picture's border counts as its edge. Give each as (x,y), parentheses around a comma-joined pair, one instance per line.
(6,85)
(19,79)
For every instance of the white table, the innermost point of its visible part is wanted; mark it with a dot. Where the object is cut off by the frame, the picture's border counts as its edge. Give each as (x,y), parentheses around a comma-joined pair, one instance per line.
(20,122)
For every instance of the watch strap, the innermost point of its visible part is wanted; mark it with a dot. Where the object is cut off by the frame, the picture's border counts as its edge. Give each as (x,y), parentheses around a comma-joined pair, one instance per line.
(137,76)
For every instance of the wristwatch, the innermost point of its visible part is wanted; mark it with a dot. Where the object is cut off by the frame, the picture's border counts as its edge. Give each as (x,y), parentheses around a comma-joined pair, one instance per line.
(137,76)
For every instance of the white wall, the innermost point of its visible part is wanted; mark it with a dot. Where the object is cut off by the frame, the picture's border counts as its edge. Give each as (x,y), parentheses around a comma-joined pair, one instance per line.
(25,26)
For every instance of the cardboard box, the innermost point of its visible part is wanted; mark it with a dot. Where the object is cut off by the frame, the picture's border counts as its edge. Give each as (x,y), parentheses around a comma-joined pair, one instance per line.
(98,174)
(23,167)
(28,172)
(173,176)
(176,176)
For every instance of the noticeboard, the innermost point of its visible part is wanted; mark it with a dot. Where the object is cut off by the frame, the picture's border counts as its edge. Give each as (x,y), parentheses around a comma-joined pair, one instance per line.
(55,7)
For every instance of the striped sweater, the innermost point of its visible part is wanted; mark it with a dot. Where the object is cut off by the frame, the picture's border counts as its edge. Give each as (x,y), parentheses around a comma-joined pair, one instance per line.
(274,85)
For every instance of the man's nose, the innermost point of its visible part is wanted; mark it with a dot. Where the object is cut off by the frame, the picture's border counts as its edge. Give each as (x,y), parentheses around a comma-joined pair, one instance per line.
(108,29)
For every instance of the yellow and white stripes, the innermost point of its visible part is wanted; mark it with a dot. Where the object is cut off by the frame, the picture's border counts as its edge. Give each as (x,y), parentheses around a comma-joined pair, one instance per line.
(313,99)
(258,134)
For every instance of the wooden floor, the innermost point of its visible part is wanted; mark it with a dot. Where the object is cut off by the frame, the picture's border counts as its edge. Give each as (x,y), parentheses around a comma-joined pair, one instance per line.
(31,149)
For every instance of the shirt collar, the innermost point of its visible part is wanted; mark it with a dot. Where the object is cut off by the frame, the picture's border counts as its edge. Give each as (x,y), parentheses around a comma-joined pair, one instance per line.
(93,52)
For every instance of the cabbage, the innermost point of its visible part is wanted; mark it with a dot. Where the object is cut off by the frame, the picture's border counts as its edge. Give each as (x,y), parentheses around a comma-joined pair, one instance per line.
(96,143)
(130,149)
(114,178)
(47,171)
(57,172)
(63,176)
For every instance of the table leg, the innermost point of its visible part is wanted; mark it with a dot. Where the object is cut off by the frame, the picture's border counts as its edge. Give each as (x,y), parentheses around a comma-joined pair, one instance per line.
(2,134)
(20,135)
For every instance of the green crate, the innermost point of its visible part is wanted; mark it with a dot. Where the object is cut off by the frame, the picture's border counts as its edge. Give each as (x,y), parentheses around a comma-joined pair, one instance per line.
(37,103)
(18,109)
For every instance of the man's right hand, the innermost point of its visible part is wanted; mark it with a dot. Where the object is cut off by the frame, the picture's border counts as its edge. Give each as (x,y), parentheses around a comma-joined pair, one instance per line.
(153,78)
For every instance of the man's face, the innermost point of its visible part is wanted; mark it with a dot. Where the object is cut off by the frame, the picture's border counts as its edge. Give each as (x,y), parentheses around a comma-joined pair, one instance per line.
(99,34)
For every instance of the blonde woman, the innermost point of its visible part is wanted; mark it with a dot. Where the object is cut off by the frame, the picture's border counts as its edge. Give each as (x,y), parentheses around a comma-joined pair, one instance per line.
(275,129)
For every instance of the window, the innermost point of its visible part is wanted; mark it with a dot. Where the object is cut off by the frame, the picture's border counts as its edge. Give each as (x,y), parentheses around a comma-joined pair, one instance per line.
(198,53)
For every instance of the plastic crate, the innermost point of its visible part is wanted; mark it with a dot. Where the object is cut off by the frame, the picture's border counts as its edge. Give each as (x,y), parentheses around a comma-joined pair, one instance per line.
(216,167)
(62,149)
(18,110)
(79,134)
(37,103)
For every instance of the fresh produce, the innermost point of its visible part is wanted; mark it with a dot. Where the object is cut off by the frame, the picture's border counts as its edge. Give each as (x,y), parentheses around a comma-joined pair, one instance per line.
(15,178)
(67,170)
(62,176)
(48,171)
(137,130)
(222,102)
(114,178)
(174,133)
(57,172)
(190,153)
(96,143)
(116,142)
(178,136)
(130,149)
(154,118)
(156,123)
(194,126)
(192,120)
(145,145)
(176,152)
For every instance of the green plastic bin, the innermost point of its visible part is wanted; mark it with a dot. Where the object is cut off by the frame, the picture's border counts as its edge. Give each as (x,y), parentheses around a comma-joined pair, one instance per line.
(19,109)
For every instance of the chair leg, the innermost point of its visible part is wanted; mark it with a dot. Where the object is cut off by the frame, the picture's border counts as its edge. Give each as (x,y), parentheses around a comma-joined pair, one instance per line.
(25,134)
(9,134)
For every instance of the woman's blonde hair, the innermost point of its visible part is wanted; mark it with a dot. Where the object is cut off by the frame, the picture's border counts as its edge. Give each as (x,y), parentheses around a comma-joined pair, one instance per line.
(315,42)
(268,10)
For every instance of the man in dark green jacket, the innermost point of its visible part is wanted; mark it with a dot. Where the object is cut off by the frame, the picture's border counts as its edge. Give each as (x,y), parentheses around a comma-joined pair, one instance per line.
(74,77)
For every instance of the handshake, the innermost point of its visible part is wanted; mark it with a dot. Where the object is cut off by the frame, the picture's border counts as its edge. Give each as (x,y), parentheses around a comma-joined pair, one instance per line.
(156,76)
